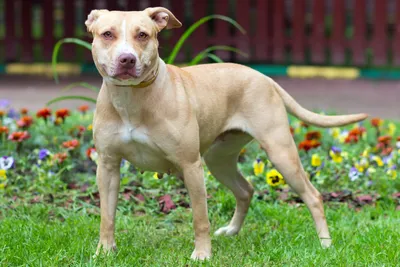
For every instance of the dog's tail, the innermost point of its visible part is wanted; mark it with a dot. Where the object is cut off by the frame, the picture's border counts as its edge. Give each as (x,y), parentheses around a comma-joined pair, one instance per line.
(313,118)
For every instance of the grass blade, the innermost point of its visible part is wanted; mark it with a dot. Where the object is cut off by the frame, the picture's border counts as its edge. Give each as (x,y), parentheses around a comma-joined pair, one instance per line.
(215,58)
(192,28)
(82,84)
(71,97)
(203,54)
(56,51)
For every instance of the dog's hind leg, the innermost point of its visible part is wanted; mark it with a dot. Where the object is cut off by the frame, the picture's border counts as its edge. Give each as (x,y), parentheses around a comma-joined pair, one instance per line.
(221,160)
(275,138)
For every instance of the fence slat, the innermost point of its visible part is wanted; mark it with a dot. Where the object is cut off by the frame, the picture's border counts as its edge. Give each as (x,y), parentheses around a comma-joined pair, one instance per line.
(379,39)
(133,5)
(10,41)
(199,38)
(178,9)
(221,36)
(69,50)
(358,42)
(338,34)
(26,38)
(243,18)
(261,40)
(88,7)
(48,29)
(298,25)
(112,5)
(396,41)
(278,24)
(318,31)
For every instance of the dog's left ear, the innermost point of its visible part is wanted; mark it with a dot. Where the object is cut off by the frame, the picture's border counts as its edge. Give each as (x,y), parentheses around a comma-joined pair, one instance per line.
(163,18)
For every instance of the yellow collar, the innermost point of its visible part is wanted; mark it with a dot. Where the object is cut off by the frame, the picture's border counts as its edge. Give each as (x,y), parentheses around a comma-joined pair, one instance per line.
(144,83)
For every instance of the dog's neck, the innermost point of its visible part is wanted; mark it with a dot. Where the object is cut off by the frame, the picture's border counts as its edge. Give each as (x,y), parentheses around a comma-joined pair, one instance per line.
(128,100)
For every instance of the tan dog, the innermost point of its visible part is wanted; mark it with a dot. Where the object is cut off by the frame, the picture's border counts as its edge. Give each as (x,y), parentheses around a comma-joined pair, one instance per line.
(163,118)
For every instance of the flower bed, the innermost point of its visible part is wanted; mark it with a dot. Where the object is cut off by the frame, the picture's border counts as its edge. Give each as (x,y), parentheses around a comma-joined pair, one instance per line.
(49,156)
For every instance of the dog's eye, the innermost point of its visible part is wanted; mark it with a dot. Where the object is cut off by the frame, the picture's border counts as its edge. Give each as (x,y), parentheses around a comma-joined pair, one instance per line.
(107,35)
(142,35)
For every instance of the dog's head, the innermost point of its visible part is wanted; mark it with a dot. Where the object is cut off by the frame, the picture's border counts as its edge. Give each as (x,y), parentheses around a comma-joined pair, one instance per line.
(125,45)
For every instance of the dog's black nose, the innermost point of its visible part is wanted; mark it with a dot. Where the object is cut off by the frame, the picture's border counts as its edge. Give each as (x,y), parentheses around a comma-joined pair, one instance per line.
(127,60)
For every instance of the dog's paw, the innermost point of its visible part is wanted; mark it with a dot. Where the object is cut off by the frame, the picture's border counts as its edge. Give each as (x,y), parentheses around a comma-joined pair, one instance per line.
(200,255)
(326,242)
(104,249)
(227,230)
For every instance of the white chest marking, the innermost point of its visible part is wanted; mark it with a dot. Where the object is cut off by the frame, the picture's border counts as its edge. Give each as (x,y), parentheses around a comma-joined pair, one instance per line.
(122,101)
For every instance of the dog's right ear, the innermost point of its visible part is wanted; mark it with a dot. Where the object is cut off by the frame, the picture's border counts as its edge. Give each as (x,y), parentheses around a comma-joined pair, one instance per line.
(92,18)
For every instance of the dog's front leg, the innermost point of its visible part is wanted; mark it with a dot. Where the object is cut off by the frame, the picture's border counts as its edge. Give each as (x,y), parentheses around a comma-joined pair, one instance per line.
(108,178)
(194,181)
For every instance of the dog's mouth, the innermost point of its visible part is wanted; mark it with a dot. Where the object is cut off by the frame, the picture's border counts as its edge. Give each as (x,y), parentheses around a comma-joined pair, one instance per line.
(125,76)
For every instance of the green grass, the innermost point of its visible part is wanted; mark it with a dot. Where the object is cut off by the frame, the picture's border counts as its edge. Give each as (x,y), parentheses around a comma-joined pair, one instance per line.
(273,235)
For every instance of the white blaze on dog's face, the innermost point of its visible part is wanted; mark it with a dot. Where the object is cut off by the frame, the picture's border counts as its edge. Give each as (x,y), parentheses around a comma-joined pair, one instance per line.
(125,45)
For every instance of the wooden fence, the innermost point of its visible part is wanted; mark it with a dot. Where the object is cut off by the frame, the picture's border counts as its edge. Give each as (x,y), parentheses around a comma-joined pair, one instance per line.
(319,32)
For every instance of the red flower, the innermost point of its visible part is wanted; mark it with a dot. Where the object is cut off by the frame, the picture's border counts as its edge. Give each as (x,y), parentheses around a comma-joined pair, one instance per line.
(387,151)
(313,135)
(62,113)
(43,113)
(24,111)
(25,122)
(358,131)
(351,139)
(385,139)
(19,136)
(291,130)
(89,151)
(306,145)
(71,144)
(60,157)
(376,122)
(83,108)
(3,129)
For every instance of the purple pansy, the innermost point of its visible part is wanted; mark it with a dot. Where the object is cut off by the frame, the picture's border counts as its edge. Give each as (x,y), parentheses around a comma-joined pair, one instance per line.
(43,153)
(336,149)
(6,163)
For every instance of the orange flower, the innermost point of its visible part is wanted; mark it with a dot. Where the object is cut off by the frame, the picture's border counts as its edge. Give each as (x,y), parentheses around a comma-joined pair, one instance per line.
(89,151)
(376,122)
(387,151)
(2,113)
(62,113)
(351,138)
(303,124)
(25,122)
(358,131)
(83,108)
(60,157)
(71,144)
(78,131)
(385,139)
(3,129)
(313,135)
(19,136)
(291,130)
(43,113)
(306,145)
(24,111)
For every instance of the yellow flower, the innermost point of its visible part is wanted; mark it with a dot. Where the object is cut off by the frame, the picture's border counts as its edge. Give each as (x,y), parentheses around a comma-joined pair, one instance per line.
(336,157)
(371,170)
(391,129)
(362,165)
(274,178)
(335,132)
(90,127)
(365,153)
(3,175)
(258,167)
(155,175)
(378,161)
(2,185)
(392,174)
(316,160)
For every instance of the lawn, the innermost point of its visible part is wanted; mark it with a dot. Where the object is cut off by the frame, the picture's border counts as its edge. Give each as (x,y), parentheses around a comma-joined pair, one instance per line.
(49,203)
(274,235)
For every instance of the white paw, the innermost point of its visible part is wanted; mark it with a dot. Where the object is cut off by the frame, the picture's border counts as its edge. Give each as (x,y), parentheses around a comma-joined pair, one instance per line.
(227,230)
(200,255)
(326,242)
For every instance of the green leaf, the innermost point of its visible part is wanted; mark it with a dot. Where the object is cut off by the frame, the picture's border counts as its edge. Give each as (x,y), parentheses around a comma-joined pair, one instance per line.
(192,28)
(56,50)
(215,58)
(82,84)
(203,54)
(71,97)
